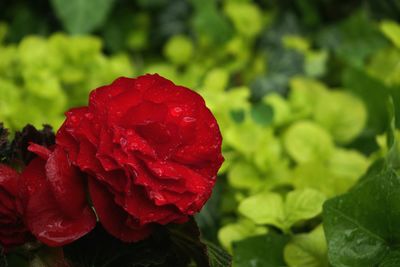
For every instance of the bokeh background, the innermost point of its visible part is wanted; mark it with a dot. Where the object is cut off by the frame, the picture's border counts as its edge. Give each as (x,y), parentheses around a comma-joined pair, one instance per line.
(299,89)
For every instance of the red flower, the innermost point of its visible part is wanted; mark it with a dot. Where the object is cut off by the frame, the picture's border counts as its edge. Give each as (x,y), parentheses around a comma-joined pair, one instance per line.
(12,228)
(151,149)
(54,198)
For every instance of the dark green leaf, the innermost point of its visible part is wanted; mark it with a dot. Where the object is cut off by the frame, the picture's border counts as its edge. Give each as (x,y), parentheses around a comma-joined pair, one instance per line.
(237,115)
(260,251)
(361,226)
(262,113)
(100,249)
(187,243)
(208,219)
(82,16)
(208,21)
(217,256)
(375,95)
(274,82)
(353,39)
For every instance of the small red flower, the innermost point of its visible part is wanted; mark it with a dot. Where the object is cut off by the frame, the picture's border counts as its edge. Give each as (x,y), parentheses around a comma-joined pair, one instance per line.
(54,198)
(151,150)
(13,231)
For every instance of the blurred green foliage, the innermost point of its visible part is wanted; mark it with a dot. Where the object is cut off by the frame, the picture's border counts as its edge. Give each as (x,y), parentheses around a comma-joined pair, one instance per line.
(41,78)
(299,89)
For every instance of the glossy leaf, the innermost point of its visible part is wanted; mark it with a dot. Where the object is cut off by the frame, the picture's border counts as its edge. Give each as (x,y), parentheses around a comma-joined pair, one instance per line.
(260,251)
(362,221)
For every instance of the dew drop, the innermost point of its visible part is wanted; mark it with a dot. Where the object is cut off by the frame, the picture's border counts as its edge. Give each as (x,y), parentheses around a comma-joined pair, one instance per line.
(176,111)
(89,116)
(123,141)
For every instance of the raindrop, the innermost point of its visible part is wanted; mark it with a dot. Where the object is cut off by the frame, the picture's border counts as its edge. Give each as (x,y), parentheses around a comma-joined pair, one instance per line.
(123,141)
(188,119)
(176,111)
(89,116)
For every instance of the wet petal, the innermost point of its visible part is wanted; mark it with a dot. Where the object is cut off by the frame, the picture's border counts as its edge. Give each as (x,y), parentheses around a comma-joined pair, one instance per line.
(66,183)
(113,218)
(44,217)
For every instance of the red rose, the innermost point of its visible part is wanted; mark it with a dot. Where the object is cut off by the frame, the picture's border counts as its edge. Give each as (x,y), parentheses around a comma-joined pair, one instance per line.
(12,228)
(54,198)
(151,149)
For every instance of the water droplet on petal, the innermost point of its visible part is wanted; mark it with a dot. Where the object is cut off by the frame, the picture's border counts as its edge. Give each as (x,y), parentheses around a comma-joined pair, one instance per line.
(176,111)
(123,141)
(189,119)
(89,116)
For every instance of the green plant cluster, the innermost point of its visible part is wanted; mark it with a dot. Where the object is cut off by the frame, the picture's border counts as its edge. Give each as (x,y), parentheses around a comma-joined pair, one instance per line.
(41,78)
(300,90)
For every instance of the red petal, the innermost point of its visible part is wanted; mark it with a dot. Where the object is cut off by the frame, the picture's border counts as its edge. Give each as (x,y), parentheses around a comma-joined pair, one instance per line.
(9,179)
(113,218)
(39,150)
(43,215)
(139,205)
(66,183)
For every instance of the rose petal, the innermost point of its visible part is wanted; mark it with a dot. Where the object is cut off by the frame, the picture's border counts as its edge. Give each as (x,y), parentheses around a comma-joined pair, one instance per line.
(9,179)
(39,150)
(113,218)
(44,217)
(66,183)
(139,205)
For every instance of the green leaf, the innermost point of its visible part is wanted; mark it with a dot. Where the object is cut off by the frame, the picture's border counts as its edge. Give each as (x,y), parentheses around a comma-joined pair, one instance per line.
(264,208)
(374,94)
(262,113)
(361,226)
(237,115)
(342,114)
(172,245)
(281,109)
(269,208)
(178,50)
(316,63)
(217,256)
(209,23)
(391,30)
(82,16)
(354,38)
(246,17)
(260,251)
(307,250)
(306,141)
(98,248)
(383,66)
(245,137)
(208,219)
(269,156)
(304,95)
(302,204)
(348,164)
(237,231)
(244,175)
(188,243)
